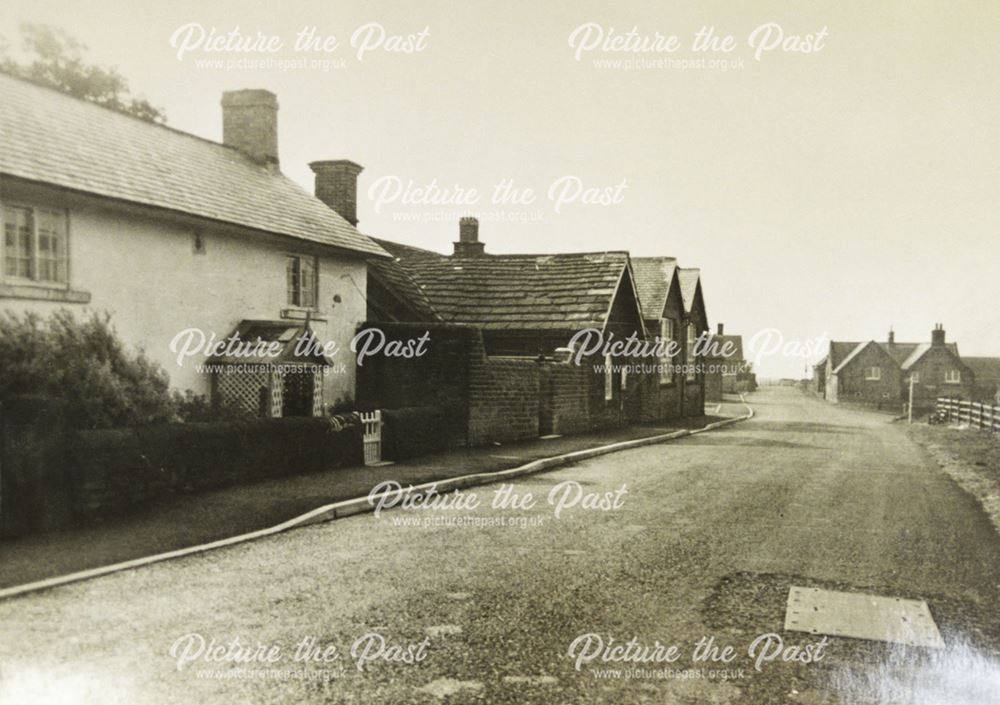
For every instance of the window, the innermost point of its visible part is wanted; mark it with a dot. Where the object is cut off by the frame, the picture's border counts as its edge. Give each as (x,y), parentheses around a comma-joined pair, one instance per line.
(690,362)
(34,244)
(953,377)
(915,377)
(873,374)
(300,274)
(609,378)
(666,360)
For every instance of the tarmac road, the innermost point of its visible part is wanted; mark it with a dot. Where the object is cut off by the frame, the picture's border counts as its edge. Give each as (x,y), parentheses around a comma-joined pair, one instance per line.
(704,542)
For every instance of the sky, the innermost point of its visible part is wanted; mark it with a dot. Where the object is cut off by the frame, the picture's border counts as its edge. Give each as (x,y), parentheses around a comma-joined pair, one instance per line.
(829,193)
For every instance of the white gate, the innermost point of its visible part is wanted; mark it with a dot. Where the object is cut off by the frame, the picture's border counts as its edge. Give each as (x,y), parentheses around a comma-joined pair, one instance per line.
(372,436)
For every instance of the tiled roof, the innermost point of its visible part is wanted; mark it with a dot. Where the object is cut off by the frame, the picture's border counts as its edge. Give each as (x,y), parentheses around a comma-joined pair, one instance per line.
(517,292)
(653,276)
(839,350)
(853,354)
(688,279)
(50,137)
(395,277)
(918,351)
(718,341)
(986,369)
(904,354)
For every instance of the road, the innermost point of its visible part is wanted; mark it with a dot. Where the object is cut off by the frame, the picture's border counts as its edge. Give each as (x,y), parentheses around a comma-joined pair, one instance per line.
(705,543)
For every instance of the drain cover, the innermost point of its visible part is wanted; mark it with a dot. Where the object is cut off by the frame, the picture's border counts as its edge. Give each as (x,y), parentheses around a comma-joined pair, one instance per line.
(861,616)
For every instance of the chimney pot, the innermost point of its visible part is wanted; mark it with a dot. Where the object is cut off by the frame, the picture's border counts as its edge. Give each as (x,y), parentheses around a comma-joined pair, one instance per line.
(337,186)
(892,337)
(250,124)
(721,328)
(468,244)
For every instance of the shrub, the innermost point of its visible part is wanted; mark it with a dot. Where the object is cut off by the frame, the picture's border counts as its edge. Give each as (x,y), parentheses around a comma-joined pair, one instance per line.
(84,364)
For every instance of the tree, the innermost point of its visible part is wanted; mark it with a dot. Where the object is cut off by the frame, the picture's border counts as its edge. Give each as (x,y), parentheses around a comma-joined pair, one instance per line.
(55,59)
(84,364)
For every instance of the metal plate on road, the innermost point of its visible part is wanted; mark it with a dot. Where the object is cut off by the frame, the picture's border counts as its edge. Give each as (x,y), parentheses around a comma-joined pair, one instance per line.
(859,616)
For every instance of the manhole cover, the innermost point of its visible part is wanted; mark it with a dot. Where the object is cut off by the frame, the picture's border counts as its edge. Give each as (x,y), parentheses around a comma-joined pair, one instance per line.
(861,616)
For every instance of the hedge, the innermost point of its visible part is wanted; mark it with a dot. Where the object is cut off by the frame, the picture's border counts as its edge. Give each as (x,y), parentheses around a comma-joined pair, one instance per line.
(413,431)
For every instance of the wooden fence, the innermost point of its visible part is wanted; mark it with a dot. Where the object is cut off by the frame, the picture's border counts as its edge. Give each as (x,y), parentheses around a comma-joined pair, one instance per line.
(985,417)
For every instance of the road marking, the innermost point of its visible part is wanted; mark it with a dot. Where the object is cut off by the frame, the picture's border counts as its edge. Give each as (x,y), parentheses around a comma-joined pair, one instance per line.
(439,630)
(443,687)
(530,680)
(860,616)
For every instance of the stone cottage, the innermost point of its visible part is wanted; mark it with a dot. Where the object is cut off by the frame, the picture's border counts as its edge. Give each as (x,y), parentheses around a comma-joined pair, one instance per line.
(169,232)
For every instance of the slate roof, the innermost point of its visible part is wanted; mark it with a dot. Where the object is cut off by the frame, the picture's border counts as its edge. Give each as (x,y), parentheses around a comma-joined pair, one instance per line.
(718,341)
(853,354)
(399,282)
(920,350)
(839,350)
(904,354)
(985,369)
(653,276)
(49,137)
(517,292)
(688,279)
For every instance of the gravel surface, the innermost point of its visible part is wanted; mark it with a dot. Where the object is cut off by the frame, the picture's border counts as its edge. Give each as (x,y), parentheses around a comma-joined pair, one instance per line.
(712,531)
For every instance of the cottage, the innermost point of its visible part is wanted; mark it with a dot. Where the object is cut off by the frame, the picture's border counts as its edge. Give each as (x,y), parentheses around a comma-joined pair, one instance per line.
(659,286)
(505,324)
(529,308)
(879,374)
(694,325)
(726,368)
(170,232)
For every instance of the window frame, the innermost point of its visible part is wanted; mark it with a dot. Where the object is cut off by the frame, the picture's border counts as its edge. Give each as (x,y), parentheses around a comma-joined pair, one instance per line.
(667,360)
(948,374)
(876,377)
(915,377)
(609,378)
(34,280)
(299,258)
(690,360)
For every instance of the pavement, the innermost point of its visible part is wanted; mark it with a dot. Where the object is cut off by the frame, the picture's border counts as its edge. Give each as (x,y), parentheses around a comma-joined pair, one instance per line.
(183,521)
(465,603)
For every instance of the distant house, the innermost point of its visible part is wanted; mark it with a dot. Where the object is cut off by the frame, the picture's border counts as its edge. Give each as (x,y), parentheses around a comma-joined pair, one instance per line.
(879,374)
(726,368)
(986,373)
(169,232)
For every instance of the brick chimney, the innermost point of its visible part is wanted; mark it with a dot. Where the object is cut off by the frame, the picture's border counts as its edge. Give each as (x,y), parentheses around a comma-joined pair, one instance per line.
(250,124)
(468,244)
(892,336)
(337,186)
(720,328)
(937,335)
